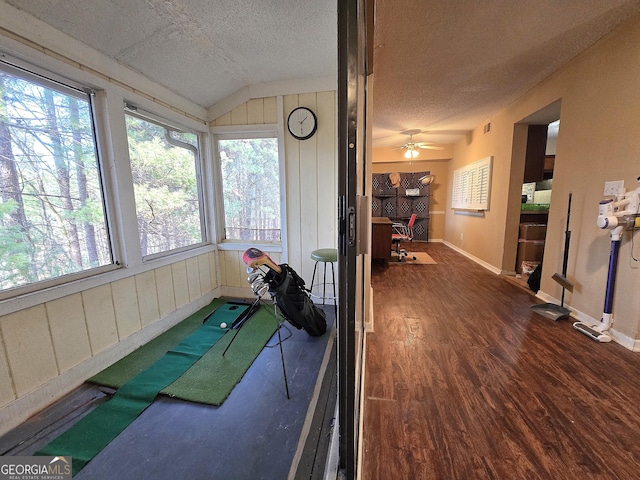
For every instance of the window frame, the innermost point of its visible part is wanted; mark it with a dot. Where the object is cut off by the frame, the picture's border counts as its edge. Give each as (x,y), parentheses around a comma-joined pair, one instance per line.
(131,109)
(249,131)
(49,79)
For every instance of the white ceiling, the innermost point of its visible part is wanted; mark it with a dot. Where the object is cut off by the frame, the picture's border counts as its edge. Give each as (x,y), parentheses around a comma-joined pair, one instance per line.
(442,66)
(204,50)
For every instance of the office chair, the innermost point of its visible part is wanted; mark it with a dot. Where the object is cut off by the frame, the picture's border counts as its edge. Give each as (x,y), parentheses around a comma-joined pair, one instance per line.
(402,233)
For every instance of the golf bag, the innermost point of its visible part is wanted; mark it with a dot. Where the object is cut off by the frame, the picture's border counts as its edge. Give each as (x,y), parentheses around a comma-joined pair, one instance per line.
(293,301)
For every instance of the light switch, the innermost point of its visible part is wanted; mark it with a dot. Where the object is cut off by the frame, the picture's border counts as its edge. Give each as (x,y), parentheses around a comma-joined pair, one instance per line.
(613,188)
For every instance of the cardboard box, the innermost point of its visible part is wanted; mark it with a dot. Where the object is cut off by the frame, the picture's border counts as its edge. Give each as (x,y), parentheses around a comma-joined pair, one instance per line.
(533,231)
(530,250)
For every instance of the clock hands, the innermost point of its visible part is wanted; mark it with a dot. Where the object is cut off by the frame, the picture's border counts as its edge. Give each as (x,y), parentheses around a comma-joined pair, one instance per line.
(301,126)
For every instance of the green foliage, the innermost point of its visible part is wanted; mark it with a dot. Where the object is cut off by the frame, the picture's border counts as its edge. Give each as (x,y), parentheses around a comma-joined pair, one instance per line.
(251,188)
(14,250)
(165,187)
(51,189)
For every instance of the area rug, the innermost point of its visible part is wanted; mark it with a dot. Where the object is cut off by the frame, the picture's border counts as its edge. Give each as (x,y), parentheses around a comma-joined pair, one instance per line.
(422,258)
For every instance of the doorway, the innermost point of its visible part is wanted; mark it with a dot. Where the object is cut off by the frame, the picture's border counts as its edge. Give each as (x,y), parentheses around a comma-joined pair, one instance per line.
(541,131)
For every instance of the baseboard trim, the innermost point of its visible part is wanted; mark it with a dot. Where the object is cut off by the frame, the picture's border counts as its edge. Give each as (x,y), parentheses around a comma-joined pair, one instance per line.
(480,262)
(618,337)
(579,316)
(368,326)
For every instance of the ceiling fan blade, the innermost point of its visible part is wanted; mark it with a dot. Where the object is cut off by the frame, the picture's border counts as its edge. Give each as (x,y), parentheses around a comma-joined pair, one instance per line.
(428,146)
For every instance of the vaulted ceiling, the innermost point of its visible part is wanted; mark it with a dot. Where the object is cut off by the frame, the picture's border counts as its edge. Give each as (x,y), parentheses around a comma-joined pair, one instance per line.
(441,66)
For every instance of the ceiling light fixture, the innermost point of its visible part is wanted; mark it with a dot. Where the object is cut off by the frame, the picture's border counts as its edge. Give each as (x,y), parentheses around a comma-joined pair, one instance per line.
(411,152)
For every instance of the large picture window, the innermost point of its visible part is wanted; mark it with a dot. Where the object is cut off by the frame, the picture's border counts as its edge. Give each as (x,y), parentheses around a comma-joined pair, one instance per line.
(250,174)
(164,164)
(52,215)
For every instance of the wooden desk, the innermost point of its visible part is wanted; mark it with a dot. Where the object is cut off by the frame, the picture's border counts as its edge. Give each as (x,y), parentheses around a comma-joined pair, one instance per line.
(381,238)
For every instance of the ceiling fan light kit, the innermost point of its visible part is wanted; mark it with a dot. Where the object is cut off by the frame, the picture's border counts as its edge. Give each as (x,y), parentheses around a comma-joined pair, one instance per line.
(411,152)
(412,148)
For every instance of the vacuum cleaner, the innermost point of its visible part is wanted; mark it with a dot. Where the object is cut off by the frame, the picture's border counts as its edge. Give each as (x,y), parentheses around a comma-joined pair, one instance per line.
(617,215)
(551,310)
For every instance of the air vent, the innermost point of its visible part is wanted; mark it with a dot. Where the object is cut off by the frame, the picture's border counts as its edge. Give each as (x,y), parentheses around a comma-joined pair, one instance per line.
(487,128)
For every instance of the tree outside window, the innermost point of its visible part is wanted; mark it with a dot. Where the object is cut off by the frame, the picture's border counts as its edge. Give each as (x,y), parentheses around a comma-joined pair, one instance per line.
(250,174)
(165,180)
(52,215)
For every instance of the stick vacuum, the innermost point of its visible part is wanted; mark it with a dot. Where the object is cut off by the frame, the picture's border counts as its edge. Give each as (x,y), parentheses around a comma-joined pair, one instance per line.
(619,215)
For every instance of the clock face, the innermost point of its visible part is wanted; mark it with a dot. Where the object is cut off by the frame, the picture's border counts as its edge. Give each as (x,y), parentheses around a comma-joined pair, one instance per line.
(302,123)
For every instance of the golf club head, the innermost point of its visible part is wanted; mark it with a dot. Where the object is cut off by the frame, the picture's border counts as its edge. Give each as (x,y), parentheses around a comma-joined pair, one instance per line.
(254,276)
(255,258)
(260,289)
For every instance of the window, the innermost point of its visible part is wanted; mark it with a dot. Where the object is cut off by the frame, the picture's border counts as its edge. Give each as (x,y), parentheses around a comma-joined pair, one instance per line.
(164,164)
(52,214)
(250,173)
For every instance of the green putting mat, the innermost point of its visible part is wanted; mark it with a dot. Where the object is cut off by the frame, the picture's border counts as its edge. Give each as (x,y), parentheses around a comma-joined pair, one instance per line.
(211,379)
(125,369)
(156,367)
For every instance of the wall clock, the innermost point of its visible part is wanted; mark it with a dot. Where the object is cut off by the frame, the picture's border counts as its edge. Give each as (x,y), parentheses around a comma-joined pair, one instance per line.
(302,123)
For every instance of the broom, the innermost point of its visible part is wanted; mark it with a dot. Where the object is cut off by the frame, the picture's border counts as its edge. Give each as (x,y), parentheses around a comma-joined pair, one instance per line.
(552,310)
(562,278)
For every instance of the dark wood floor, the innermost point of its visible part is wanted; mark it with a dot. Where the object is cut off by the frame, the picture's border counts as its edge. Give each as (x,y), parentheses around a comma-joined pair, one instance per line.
(465,381)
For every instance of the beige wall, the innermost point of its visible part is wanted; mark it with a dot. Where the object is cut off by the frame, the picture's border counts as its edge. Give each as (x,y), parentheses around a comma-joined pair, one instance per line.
(437,162)
(599,121)
(310,177)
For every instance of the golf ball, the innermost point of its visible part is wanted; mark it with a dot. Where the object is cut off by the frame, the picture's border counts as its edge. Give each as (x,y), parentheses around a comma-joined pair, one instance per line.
(223,325)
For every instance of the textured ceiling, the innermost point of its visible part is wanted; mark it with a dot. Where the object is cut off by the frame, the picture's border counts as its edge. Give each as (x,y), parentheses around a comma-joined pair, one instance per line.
(204,50)
(442,66)
(446,66)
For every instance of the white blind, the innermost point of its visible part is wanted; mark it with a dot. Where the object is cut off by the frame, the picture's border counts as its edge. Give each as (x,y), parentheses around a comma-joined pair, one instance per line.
(472,186)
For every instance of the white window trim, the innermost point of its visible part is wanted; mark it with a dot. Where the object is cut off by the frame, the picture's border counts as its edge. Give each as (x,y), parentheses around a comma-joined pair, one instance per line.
(112,148)
(256,131)
(51,80)
(201,177)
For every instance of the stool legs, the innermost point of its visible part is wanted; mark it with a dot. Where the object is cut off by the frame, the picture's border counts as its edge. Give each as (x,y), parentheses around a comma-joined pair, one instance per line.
(313,277)
(324,284)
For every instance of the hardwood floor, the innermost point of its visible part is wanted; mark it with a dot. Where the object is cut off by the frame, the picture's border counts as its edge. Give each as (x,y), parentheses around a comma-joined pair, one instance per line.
(465,381)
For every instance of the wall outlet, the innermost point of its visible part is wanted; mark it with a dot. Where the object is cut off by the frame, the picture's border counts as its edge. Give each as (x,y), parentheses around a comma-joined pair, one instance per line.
(613,188)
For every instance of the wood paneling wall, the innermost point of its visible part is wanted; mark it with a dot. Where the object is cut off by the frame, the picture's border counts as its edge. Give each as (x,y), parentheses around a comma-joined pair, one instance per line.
(310,182)
(49,348)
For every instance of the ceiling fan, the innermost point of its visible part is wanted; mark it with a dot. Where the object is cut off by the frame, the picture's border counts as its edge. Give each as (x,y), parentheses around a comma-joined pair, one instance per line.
(412,148)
